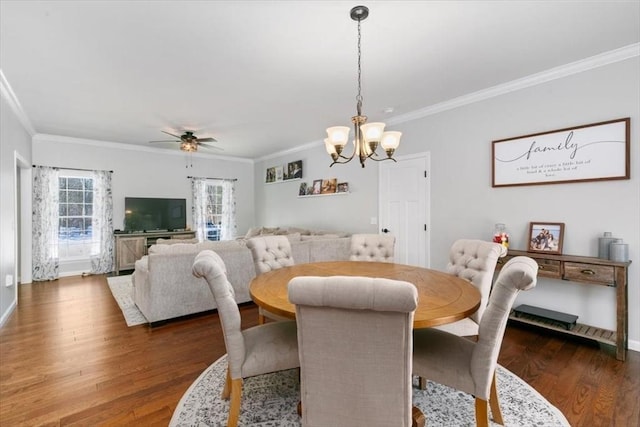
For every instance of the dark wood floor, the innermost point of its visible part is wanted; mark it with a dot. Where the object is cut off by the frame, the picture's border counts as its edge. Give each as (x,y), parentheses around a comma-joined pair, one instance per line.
(68,358)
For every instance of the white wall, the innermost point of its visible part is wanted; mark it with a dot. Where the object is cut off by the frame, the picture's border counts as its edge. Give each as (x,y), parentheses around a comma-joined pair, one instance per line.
(278,204)
(14,141)
(146,172)
(463,203)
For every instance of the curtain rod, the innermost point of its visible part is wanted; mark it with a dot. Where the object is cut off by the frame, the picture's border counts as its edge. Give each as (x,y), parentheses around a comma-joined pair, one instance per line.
(206,177)
(70,169)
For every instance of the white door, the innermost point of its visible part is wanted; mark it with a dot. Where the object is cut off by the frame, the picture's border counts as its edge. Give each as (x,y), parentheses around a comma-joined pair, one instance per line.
(403,210)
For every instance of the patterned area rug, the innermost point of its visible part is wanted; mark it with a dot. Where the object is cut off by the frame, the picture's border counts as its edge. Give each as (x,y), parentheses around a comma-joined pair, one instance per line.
(122,290)
(271,400)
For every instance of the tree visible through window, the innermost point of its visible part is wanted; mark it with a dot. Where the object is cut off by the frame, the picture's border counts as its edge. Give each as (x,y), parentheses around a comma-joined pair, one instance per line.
(75,213)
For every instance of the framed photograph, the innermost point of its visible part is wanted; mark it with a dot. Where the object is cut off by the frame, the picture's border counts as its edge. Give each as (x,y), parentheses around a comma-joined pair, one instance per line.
(593,152)
(329,186)
(343,187)
(271,175)
(303,189)
(293,171)
(546,237)
(317,186)
(279,173)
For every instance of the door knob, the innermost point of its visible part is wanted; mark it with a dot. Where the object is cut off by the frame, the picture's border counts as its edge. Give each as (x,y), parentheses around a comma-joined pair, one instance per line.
(385,230)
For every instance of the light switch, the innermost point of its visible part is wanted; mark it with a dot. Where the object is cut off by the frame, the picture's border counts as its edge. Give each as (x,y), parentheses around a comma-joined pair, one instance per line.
(8,280)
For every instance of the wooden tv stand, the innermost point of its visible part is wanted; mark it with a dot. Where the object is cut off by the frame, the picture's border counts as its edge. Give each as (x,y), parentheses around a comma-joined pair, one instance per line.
(130,247)
(589,270)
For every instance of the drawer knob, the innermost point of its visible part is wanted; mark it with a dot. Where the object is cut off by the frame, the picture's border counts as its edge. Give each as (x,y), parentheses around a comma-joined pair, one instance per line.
(588,272)
(541,267)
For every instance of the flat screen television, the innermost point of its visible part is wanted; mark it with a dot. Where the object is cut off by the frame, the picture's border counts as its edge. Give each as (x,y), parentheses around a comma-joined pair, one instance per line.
(151,214)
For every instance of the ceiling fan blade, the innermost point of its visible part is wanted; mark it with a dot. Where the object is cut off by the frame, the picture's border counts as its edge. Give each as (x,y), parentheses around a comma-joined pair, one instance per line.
(207,140)
(210,147)
(175,136)
(172,140)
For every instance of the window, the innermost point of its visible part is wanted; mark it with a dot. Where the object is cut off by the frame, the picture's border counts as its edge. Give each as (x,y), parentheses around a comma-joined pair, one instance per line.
(75,214)
(214,211)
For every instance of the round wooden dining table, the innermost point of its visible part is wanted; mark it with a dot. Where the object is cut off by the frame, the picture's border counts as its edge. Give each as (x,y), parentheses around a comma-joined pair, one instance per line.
(442,298)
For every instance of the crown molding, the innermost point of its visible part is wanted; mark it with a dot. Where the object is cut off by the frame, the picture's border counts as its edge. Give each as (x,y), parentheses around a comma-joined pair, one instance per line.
(42,137)
(11,98)
(596,61)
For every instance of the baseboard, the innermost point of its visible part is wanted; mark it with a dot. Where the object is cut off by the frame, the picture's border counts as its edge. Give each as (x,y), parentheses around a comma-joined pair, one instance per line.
(8,313)
(634,345)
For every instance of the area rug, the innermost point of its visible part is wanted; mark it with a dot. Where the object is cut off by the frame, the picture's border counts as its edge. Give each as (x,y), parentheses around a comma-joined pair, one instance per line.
(271,400)
(122,290)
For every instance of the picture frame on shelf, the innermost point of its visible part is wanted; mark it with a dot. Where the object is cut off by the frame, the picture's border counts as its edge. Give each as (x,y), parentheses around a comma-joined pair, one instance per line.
(317,186)
(271,175)
(279,173)
(302,191)
(329,186)
(293,170)
(343,187)
(546,237)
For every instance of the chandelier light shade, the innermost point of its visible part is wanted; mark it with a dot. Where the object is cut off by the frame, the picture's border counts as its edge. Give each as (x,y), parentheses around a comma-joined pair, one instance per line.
(367,135)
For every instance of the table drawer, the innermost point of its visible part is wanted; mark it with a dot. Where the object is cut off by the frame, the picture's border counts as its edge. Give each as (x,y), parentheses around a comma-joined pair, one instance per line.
(591,273)
(546,267)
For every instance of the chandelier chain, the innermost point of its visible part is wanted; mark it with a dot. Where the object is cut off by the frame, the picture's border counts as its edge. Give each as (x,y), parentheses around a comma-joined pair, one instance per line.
(359,96)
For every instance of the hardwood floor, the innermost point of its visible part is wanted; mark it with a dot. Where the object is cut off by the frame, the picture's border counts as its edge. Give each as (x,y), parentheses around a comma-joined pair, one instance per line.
(68,358)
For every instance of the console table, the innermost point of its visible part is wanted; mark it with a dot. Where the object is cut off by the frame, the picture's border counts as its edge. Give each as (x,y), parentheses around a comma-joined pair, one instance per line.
(130,247)
(589,270)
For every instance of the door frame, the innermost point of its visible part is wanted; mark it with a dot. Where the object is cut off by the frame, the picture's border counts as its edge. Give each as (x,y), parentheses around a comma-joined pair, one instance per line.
(426,155)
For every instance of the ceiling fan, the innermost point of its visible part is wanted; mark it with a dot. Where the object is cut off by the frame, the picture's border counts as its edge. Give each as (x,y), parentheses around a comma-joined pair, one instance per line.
(189,142)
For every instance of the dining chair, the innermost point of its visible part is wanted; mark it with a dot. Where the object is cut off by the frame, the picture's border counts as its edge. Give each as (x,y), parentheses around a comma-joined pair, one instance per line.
(372,247)
(475,261)
(270,253)
(254,351)
(467,365)
(354,341)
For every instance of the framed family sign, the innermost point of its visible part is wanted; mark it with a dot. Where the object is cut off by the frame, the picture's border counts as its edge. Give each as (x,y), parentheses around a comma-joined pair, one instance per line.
(593,152)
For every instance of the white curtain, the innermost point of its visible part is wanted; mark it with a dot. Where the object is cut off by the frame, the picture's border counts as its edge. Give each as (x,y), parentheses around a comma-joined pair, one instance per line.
(200,196)
(45,223)
(102,223)
(229,228)
(199,207)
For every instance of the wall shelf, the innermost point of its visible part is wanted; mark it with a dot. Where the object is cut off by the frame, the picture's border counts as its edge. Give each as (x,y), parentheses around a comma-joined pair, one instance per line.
(588,270)
(306,196)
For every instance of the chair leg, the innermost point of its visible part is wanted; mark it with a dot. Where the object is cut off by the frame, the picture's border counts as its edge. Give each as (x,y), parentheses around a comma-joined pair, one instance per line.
(226,391)
(482,414)
(422,383)
(260,319)
(234,406)
(417,417)
(494,402)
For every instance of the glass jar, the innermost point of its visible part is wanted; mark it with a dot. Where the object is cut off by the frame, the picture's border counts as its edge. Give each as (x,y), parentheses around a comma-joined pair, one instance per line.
(500,235)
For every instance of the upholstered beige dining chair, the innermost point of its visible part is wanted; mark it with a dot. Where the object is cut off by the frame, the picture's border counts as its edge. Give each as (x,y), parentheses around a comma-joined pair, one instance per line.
(354,341)
(372,247)
(270,253)
(475,261)
(254,351)
(469,365)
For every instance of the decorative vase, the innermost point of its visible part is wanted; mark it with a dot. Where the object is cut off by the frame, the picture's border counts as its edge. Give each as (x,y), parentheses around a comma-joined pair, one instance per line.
(603,245)
(500,235)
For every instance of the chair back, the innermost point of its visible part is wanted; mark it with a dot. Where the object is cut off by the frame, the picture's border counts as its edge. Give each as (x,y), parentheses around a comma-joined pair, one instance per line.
(210,266)
(475,261)
(372,247)
(355,346)
(270,253)
(519,274)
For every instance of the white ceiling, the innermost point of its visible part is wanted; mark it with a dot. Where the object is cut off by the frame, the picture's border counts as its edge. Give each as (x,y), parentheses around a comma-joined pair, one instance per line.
(265,76)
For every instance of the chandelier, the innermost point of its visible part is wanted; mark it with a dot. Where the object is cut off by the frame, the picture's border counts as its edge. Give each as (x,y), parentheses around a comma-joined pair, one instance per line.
(367,135)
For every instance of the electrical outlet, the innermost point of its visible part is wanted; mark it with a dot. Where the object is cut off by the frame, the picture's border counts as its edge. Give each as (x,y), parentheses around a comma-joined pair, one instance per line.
(8,280)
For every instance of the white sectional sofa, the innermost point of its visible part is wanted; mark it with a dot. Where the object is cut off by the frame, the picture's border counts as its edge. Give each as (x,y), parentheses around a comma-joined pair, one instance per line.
(165,288)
